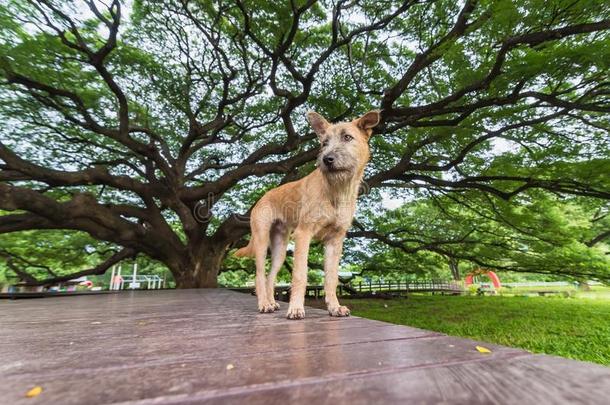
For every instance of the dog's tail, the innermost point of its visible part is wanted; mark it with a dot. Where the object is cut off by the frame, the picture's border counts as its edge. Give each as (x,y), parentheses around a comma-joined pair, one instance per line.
(246,251)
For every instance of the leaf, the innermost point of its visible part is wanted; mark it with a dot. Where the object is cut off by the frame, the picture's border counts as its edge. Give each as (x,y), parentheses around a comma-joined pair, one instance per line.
(34,392)
(482,349)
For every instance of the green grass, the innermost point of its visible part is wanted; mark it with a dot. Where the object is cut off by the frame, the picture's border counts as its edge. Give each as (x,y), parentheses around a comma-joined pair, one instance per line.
(595,292)
(574,328)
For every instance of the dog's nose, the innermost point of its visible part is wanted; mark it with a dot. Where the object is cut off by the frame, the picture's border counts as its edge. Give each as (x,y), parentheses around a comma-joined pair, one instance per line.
(328,160)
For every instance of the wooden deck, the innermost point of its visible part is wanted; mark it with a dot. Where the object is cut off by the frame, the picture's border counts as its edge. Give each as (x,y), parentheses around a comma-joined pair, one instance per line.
(212,346)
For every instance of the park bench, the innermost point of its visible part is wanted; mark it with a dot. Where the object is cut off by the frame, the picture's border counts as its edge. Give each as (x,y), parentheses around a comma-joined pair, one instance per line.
(545,293)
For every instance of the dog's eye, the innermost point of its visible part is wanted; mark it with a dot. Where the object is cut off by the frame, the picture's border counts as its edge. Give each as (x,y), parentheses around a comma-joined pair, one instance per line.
(347,137)
(324,144)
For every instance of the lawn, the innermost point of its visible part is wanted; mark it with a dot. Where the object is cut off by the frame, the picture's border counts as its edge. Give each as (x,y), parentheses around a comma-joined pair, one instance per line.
(574,328)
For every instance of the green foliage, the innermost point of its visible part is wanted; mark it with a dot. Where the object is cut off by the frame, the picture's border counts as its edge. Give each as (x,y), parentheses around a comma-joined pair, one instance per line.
(45,254)
(539,233)
(494,137)
(235,278)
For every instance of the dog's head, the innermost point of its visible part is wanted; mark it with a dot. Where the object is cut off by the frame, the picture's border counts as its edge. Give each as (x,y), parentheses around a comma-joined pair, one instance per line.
(345,145)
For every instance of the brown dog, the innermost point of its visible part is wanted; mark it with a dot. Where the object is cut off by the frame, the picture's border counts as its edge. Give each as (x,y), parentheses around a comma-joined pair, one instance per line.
(319,206)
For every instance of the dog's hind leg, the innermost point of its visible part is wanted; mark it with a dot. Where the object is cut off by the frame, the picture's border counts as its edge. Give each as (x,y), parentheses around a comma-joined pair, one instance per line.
(279,244)
(260,236)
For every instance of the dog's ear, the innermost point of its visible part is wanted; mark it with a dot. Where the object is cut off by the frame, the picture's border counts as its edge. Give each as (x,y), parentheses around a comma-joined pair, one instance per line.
(318,122)
(369,120)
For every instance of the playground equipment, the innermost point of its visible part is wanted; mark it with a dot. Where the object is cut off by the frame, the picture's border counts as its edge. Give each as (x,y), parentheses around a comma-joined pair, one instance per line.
(134,281)
(153,282)
(495,280)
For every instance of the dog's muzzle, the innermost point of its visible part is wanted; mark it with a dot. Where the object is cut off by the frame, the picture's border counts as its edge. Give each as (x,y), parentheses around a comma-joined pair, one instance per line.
(329,160)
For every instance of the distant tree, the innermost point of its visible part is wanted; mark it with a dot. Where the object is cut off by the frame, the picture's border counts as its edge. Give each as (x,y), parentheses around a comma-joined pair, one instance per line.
(49,256)
(155,126)
(538,233)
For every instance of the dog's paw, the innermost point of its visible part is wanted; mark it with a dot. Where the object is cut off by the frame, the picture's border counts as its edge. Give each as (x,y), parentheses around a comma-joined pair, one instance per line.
(275,306)
(295,313)
(266,308)
(339,311)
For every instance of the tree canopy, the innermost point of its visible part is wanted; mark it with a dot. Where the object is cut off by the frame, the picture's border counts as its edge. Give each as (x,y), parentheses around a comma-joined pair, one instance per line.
(152,127)
(539,234)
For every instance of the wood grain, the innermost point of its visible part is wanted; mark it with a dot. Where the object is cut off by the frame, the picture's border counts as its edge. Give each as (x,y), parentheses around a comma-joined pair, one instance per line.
(213,346)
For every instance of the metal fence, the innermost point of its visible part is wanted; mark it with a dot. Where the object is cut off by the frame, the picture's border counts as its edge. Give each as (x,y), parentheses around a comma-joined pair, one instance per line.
(409,286)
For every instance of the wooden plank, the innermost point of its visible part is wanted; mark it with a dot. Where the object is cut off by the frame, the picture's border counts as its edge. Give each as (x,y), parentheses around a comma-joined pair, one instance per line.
(175,346)
(201,372)
(531,379)
(47,294)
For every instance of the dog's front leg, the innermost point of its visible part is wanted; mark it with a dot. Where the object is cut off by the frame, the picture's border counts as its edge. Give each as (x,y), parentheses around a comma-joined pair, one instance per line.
(302,238)
(332,254)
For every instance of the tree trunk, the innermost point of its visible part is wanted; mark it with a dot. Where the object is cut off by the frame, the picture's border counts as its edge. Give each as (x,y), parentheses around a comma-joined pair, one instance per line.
(199,270)
(203,279)
(455,270)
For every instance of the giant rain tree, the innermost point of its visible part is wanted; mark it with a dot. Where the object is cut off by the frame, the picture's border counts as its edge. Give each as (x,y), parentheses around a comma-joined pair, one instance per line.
(154,125)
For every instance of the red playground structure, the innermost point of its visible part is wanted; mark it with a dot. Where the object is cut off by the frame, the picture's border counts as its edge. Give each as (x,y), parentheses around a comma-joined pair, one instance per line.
(495,280)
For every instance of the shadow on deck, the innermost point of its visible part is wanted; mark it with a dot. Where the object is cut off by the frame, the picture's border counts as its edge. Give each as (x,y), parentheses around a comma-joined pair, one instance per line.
(212,346)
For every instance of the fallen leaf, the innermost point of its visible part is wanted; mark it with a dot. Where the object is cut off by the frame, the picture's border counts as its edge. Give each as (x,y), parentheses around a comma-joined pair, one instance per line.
(482,349)
(34,392)
(230,366)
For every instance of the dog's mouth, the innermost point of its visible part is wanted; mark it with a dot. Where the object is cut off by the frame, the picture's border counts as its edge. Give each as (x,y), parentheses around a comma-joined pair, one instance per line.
(334,169)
